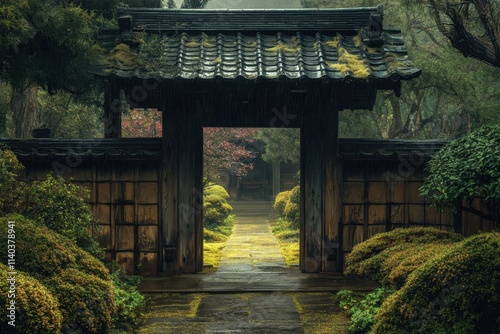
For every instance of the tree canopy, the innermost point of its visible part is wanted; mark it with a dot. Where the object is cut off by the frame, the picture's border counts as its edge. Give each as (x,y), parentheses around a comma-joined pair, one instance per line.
(281,145)
(465,169)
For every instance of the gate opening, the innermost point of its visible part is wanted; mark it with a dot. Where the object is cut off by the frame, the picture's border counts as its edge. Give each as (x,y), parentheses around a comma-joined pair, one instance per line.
(251,199)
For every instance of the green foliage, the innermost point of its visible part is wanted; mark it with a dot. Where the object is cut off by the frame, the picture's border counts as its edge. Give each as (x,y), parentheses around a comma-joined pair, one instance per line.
(292,208)
(10,168)
(45,252)
(36,309)
(282,145)
(59,205)
(70,117)
(455,292)
(217,218)
(362,307)
(129,302)
(87,301)
(466,168)
(80,282)
(285,230)
(390,257)
(281,200)
(215,189)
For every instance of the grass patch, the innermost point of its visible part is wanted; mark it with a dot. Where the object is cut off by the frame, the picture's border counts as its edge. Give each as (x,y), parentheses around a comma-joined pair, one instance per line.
(288,237)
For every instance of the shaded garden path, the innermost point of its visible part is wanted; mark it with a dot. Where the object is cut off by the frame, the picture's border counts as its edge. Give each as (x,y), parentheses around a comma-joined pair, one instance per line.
(251,292)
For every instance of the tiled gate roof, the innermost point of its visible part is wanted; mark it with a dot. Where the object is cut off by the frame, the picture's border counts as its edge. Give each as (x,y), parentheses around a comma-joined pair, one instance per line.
(333,44)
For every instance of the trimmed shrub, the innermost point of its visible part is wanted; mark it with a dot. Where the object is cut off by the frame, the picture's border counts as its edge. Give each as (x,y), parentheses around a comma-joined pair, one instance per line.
(376,257)
(59,205)
(45,253)
(215,211)
(455,292)
(10,189)
(37,310)
(292,208)
(280,202)
(215,189)
(87,301)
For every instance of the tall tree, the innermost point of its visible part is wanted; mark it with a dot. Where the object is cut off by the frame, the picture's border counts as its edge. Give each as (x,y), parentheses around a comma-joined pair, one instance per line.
(48,44)
(472,27)
(281,145)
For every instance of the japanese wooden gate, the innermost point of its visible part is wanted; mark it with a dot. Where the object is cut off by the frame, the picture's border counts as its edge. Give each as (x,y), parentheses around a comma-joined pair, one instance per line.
(250,68)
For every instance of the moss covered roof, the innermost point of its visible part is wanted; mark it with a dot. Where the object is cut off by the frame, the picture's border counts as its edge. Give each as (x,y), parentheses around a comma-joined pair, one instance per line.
(156,44)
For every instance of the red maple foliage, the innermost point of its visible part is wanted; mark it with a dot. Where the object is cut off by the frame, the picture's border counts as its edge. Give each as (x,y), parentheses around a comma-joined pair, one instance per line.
(142,123)
(226,149)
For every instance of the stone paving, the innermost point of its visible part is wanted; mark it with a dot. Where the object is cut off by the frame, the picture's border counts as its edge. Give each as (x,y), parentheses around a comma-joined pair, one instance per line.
(252,291)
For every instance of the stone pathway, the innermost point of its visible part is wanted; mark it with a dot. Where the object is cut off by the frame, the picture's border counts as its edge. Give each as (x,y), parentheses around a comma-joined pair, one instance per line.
(251,292)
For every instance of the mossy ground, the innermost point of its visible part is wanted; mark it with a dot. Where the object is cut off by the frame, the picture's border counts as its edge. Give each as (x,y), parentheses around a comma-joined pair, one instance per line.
(288,237)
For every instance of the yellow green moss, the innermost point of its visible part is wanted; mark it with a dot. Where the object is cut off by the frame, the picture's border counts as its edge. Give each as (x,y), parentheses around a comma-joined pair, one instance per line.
(334,42)
(292,47)
(217,60)
(122,54)
(357,41)
(349,63)
(212,252)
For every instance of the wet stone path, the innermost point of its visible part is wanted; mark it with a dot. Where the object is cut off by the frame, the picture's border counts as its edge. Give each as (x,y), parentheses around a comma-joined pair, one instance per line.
(252,255)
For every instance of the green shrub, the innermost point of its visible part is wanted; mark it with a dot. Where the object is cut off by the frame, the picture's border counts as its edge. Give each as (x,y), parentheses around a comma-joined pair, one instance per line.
(292,208)
(10,189)
(44,252)
(215,189)
(284,230)
(408,247)
(280,202)
(87,301)
(37,310)
(467,168)
(455,292)
(215,211)
(129,302)
(362,307)
(59,205)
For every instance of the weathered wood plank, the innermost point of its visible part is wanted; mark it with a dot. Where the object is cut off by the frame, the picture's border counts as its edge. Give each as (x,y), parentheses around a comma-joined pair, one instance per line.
(147,192)
(124,238)
(354,214)
(354,192)
(124,214)
(169,186)
(415,214)
(412,193)
(351,236)
(377,214)
(332,206)
(149,264)
(147,214)
(312,173)
(377,192)
(188,208)
(147,238)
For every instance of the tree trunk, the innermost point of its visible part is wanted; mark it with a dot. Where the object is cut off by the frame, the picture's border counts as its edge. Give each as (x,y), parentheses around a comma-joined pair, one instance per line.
(23,104)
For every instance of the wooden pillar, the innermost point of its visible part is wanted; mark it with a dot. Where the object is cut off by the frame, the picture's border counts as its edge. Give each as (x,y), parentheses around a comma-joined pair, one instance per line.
(190,190)
(182,229)
(320,183)
(332,243)
(112,111)
(312,152)
(170,186)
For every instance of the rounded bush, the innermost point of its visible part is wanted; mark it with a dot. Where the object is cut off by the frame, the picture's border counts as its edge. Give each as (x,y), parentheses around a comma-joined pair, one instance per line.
(215,189)
(45,253)
(87,301)
(368,258)
(292,214)
(37,310)
(10,188)
(280,201)
(455,292)
(215,210)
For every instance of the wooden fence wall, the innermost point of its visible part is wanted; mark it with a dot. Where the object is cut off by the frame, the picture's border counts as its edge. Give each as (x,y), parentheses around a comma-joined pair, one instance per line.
(125,199)
(380,195)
